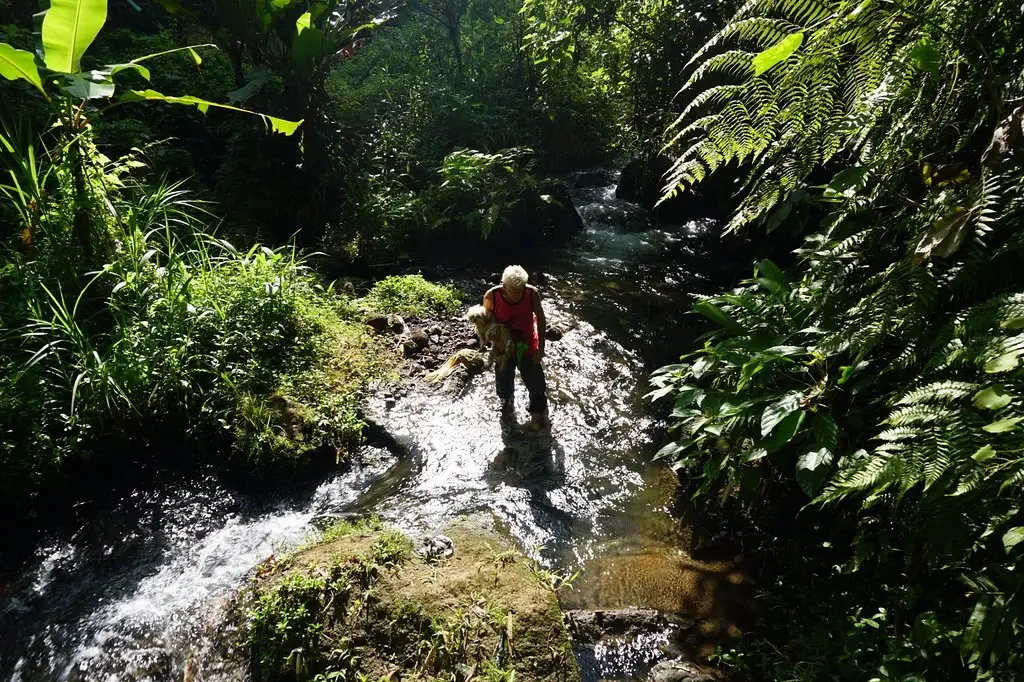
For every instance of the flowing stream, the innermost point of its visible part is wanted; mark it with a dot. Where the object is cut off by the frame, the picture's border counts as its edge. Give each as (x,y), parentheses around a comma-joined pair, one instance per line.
(126,595)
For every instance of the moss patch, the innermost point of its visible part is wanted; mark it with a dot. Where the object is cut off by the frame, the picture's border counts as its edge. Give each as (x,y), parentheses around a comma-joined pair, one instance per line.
(362,605)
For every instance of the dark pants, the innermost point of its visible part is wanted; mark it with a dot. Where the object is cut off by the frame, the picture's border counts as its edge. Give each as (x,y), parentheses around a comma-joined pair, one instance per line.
(533,377)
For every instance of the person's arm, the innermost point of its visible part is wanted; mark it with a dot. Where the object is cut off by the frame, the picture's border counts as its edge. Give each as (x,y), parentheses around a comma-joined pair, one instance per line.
(489,300)
(542,322)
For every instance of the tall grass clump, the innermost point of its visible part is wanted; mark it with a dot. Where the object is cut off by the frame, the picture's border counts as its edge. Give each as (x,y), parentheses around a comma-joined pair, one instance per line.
(127,322)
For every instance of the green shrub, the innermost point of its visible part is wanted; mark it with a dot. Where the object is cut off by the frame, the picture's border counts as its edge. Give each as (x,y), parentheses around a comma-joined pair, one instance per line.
(173,326)
(412,295)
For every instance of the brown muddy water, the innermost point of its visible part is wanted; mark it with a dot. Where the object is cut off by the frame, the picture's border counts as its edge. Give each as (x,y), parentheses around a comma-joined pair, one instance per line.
(125,596)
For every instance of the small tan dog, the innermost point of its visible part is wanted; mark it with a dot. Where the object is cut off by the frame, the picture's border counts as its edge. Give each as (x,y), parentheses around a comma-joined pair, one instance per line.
(490,333)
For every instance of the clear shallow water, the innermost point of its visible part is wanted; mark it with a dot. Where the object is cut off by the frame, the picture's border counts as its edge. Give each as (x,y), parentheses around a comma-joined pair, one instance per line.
(124,596)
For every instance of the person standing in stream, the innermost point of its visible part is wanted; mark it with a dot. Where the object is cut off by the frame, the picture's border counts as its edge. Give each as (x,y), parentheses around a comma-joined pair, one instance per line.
(516,304)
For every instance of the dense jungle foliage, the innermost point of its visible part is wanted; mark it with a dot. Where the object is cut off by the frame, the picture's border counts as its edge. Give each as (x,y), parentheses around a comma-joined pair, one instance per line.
(866,402)
(183,179)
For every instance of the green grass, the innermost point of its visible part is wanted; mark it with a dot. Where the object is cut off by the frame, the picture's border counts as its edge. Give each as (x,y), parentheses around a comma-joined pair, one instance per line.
(242,354)
(412,295)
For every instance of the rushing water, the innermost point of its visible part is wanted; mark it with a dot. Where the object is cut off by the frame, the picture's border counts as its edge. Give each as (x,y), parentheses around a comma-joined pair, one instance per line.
(124,596)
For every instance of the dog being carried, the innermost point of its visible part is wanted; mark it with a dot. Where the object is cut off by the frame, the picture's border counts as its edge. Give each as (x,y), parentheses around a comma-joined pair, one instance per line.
(492,335)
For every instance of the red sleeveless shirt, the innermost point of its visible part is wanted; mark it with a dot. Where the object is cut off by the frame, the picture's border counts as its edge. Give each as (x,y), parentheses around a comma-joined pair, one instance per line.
(518,318)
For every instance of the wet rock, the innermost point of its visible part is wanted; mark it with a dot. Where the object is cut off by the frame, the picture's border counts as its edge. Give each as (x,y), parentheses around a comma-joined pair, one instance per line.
(679,671)
(589,627)
(434,546)
(416,342)
(324,521)
(377,322)
(642,181)
(434,329)
(554,332)
(396,323)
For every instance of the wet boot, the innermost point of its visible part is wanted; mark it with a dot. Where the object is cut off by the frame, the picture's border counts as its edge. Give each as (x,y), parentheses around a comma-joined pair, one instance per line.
(539,422)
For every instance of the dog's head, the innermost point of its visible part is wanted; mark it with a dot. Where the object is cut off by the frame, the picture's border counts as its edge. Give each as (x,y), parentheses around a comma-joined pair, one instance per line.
(478,314)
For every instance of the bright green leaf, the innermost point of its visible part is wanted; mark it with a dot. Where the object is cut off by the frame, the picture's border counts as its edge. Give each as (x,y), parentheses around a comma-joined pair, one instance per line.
(114,69)
(15,64)
(771,271)
(1004,363)
(926,58)
(777,53)
(984,453)
(755,455)
(992,398)
(784,432)
(499,20)
(195,56)
(811,469)
(779,410)
(278,125)
(717,315)
(1013,323)
(69,27)
(1003,425)
(89,86)
(1013,537)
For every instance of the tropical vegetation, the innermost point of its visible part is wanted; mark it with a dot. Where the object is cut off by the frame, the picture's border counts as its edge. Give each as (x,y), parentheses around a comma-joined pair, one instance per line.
(186,183)
(865,401)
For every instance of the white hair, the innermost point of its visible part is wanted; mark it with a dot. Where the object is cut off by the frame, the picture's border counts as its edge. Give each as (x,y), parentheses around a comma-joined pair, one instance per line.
(515,276)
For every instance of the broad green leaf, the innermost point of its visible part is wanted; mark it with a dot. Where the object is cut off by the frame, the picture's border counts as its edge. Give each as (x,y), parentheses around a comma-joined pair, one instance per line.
(770,271)
(926,58)
(846,182)
(1013,537)
(15,64)
(114,69)
(779,410)
(93,85)
(1004,363)
(826,431)
(278,125)
(755,455)
(944,236)
(1003,425)
(777,53)
(307,46)
(811,469)
(499,20)
(992,398)
(971,634)
(718,316)
(1013,323)
(672,450)
(257,79)
(69,28)
(659,393)
(784,432)
(984,453)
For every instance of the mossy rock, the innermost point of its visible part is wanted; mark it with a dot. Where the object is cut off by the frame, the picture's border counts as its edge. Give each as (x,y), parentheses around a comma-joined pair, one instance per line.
(360,604)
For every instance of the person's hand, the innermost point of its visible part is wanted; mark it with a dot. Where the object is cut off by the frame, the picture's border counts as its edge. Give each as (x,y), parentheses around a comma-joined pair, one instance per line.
(538,355)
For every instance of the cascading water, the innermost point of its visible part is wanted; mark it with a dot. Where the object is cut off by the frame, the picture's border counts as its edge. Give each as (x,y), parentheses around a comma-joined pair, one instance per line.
(127,594)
